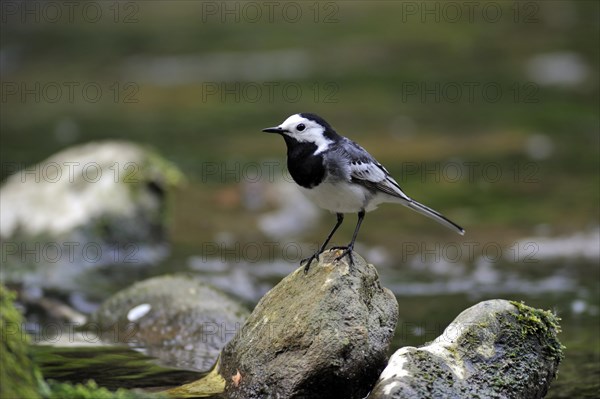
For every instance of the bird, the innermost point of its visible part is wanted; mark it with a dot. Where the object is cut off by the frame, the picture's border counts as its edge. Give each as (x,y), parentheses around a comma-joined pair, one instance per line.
(340,176)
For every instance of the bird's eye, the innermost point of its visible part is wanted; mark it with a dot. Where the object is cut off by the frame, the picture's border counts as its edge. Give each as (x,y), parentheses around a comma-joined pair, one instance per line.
(300,127)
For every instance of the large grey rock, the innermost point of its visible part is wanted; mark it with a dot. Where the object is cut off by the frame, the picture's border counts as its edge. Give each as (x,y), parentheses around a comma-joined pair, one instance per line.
(495,349)
(82,184)
(94,204)
(177,319)
(320,335)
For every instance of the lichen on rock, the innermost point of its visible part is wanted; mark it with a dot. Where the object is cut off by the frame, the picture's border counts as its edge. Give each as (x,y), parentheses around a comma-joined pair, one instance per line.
(495,349)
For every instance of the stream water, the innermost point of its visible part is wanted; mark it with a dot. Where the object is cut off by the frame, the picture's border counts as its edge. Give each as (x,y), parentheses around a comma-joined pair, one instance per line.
(431,289)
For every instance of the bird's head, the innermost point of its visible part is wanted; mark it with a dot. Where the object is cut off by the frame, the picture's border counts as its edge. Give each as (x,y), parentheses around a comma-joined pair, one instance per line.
(306,128)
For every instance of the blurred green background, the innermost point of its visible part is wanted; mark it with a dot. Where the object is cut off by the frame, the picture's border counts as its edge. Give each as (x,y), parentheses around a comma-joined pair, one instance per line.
(410,85)
(502,86)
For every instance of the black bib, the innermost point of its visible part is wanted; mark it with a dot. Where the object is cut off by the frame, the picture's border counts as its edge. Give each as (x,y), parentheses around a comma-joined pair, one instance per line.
(306,169)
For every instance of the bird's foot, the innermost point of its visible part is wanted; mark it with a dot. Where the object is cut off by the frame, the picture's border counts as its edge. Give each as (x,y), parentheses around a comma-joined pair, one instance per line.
(309,260)
(347,252)
(338,247)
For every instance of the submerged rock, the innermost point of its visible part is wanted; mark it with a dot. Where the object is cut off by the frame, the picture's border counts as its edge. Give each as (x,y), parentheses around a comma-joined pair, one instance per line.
(182,321)
(320,335)
(495,349)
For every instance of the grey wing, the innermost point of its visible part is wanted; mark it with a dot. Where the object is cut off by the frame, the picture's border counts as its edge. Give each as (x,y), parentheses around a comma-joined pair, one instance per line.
(365,170)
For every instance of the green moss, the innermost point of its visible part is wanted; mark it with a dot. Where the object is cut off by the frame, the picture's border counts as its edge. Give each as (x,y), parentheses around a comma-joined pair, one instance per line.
(163,172)
(543,324)
(209,385)
(157,166)
(20,378)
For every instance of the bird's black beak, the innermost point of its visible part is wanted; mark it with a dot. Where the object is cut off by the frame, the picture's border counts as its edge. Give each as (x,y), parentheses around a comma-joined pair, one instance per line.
(276,129)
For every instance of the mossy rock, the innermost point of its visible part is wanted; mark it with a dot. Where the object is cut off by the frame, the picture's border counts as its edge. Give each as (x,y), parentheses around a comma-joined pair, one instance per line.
(495,349)
(324,334)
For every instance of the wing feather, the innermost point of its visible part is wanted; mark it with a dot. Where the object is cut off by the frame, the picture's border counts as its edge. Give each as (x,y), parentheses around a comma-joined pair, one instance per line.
(365,170)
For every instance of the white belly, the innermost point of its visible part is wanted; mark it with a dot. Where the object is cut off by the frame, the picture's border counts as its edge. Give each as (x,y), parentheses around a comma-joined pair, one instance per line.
(342,198)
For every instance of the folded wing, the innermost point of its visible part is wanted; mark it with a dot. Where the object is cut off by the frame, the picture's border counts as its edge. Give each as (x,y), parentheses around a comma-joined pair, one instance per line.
(365,170)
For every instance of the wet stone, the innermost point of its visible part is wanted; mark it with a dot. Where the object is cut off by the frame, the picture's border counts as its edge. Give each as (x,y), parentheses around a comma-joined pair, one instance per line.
(180,320)
(495,349)
(324,334)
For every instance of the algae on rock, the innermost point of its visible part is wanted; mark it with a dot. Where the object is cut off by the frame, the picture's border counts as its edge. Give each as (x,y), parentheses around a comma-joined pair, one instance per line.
(19,376)
(495,349)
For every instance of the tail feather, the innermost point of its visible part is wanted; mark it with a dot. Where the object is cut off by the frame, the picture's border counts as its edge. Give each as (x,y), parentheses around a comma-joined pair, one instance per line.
(435,215)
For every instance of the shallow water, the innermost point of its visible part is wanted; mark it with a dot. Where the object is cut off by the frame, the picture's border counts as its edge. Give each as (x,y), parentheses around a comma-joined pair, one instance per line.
(431,290)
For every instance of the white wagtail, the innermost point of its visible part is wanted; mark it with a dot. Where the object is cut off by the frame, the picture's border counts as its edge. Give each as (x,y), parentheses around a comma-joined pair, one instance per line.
(340,176)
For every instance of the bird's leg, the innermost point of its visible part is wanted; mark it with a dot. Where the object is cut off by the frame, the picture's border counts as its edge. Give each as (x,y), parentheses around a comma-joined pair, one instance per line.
(348,250)
(340,219)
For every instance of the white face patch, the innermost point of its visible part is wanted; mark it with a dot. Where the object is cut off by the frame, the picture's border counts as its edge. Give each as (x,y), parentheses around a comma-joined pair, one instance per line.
(312,133)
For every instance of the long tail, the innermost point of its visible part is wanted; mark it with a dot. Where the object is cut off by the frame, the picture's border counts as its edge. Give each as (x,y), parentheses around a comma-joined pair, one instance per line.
(435,215)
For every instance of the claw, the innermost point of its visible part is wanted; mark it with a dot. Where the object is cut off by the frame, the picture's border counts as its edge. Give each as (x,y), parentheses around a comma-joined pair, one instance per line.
(338,247)
(347,252)
(340,219)
(309,261)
